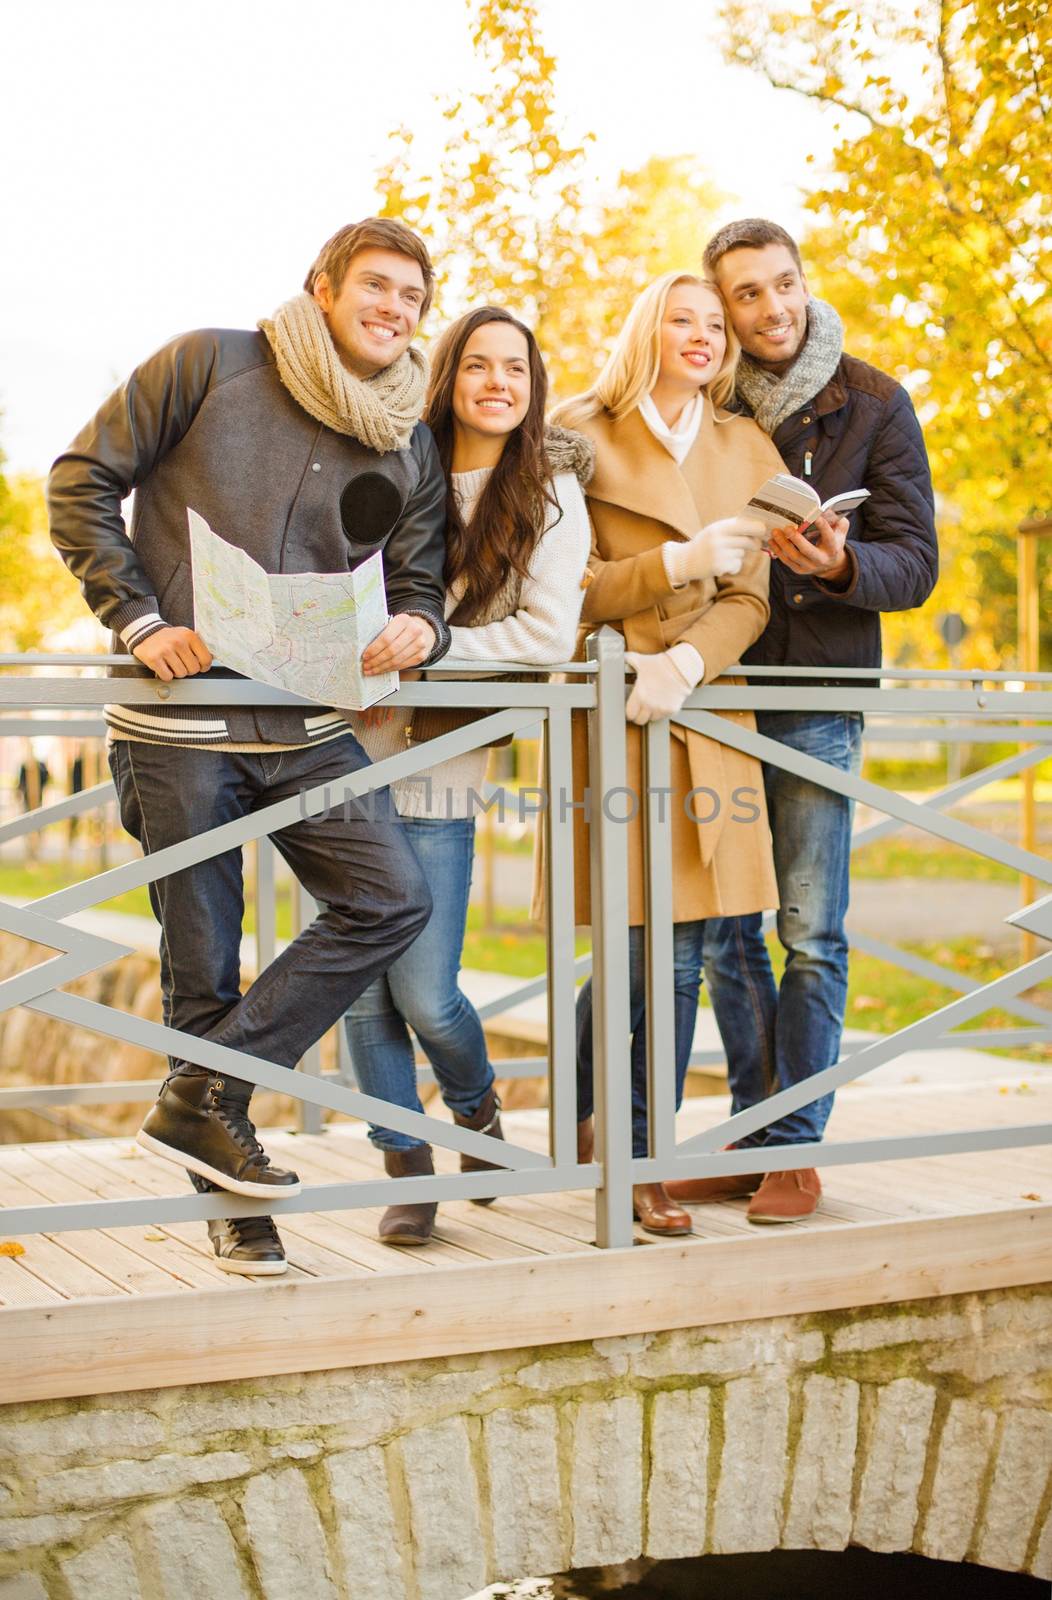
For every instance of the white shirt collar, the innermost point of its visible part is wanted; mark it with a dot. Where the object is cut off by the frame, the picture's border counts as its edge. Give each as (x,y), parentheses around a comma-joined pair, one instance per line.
(677,440)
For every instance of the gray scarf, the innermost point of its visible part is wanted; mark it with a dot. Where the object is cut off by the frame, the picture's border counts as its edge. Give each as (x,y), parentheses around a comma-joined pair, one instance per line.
(771,398)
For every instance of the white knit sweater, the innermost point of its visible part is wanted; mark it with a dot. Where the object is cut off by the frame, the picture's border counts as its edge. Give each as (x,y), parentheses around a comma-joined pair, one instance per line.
(541,632)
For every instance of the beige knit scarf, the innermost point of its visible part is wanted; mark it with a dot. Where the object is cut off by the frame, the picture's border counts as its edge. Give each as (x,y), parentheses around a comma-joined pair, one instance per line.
(380,411)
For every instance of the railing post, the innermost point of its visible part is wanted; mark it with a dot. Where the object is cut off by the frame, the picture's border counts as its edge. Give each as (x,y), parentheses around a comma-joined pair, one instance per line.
(608,847)
(656,810)
(562,1032)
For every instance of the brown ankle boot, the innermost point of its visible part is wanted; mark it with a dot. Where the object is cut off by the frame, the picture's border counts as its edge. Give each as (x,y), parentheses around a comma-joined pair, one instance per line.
(485,1120)
(655,1212)
(408,1224)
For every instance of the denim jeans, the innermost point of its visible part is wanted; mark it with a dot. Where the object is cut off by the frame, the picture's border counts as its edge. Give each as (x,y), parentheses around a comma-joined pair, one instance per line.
(688,940)
(420,991)
(355,859)
(775,1037)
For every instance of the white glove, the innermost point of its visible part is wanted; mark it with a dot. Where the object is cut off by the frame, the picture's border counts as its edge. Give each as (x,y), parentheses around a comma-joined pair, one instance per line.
(716,552)
(663,681)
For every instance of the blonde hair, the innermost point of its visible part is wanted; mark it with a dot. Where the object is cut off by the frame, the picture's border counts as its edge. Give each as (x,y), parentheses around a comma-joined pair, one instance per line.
(632,367)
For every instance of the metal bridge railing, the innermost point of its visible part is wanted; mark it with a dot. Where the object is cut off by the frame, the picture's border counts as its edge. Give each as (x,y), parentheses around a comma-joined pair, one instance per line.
(969,706)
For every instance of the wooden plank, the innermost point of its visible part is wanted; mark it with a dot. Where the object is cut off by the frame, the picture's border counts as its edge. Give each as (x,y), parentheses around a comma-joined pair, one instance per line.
(118,1253)
(47,1258)
(103,1346)
(20,1287)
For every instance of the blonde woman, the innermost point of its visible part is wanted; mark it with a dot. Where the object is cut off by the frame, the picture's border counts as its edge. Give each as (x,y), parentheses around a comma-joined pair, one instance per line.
(685,580)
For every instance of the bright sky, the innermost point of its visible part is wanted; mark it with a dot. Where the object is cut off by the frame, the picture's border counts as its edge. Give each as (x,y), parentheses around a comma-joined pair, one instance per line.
(170,167)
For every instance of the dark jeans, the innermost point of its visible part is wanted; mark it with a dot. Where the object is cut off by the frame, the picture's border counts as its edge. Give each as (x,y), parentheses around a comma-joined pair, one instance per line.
(688,939)
(355,860)
(779,1036)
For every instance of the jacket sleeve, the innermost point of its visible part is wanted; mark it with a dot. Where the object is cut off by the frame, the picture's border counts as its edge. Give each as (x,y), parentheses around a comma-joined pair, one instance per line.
(618,589)
(139,423)
(895,562)
(543,628)
(735,619)
(415,553)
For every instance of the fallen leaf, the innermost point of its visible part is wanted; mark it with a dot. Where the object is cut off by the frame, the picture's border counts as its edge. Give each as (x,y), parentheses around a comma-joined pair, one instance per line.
(155,1238)
(1030,1197)
(11,1247)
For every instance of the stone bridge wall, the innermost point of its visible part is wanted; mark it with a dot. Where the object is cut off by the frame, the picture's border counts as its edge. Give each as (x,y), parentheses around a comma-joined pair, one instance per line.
(923,1427)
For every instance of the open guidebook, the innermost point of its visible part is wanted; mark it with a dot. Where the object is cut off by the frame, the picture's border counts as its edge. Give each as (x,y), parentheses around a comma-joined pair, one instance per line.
(790,502)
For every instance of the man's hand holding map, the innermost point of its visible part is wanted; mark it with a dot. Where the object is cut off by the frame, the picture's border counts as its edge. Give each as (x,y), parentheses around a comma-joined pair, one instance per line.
(304,631)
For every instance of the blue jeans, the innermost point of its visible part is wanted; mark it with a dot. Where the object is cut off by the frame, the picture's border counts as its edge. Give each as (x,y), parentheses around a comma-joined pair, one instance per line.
(775,1037)
(355,859)
(688,941)
(420,991)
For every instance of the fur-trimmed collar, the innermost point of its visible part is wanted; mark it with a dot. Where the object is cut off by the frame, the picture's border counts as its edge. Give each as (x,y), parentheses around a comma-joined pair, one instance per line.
(568,451)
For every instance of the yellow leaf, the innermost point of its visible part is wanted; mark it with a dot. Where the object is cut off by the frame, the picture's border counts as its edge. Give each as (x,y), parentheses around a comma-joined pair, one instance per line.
(11,1247)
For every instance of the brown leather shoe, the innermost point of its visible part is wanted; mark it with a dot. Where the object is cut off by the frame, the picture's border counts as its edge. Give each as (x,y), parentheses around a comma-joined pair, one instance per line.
(586,1140)
(786,1197)
(732,1186)
(485,1120)
(655,1212)
(409,1224)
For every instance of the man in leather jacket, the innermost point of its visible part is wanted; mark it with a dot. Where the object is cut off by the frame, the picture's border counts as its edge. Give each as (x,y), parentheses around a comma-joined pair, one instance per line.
(301,444)
(843,425)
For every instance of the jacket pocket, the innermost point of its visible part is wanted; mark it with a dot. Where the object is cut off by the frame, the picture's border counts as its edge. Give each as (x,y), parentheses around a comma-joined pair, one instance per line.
(176,601)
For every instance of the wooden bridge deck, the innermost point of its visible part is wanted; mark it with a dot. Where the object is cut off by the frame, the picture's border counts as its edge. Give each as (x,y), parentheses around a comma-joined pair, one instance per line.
(130,1308)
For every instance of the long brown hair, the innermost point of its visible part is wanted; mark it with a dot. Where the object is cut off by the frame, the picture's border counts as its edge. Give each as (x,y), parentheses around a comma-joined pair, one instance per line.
(509,518)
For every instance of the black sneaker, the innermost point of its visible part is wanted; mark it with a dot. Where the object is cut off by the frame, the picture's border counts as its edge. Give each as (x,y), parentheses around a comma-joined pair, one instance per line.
(249,1245)
(199,1126)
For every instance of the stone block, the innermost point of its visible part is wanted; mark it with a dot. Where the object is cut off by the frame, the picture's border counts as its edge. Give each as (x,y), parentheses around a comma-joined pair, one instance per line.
(1024,1460)
(819,1515)
(753,1465)
(879,1333)
(104,1433)
(190,1552)
(964,1450)
(286,1537)
(739,1349)
(105,1571)
(21,1533)
(677,1494)
(522,1465)
(127,1480)
(886,1515)
(370,1542)
(363,1412)
(564,1372)
(607,1482)
(446,1535)
(23,1586)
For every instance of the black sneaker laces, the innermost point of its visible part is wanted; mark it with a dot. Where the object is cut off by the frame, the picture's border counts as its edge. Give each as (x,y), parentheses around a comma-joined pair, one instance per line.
(255,1230)
(242,1130)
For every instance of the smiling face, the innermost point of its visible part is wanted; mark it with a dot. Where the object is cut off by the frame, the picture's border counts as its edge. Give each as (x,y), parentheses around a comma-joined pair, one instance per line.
(767,297)
(375,313)
(693,344)
(491,392)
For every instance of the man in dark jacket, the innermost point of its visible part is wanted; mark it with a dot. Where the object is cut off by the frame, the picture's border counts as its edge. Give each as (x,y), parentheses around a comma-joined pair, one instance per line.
(841,425)
(300,443)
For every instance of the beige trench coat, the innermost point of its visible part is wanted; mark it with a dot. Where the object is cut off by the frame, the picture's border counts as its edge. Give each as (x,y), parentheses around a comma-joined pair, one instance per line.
(638,499)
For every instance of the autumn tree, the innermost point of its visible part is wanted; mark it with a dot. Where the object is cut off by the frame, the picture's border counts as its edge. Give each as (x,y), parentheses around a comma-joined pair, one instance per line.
(933,237)
(515,217)
(38,596)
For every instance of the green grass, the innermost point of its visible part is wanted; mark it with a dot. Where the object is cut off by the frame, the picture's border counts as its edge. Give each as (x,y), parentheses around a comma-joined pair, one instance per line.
(898,858)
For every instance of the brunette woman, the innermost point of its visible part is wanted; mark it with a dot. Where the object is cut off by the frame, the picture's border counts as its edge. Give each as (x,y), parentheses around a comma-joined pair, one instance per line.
(518,542)
(686,582)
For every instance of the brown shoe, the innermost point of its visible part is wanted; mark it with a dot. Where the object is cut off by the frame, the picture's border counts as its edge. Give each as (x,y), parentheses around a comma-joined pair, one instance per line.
(786,1196)
(655,1212)
(733,1186)
(409,1224)
(586,1140)
(485,1120)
